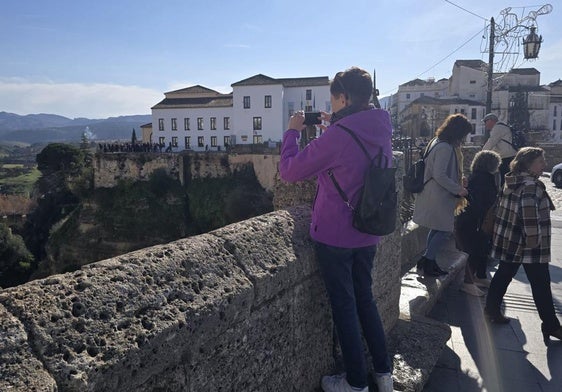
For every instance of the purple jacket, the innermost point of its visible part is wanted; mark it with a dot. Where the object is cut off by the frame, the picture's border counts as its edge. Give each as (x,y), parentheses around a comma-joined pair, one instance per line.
(336,150)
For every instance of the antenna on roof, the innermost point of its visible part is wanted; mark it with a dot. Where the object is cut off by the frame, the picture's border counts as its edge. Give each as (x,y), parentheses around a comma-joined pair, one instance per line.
(375,91)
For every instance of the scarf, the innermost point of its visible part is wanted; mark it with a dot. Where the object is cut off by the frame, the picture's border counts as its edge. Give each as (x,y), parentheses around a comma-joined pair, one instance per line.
(348,110)
(462,203)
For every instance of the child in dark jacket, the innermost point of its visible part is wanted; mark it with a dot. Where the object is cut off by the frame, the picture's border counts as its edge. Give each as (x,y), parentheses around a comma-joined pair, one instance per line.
(482,192)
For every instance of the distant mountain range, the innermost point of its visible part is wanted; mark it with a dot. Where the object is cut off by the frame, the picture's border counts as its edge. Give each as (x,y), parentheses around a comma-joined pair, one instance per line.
(42,128)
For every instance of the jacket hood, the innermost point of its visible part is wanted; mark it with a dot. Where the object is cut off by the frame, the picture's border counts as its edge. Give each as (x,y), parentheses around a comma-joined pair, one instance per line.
(514,181)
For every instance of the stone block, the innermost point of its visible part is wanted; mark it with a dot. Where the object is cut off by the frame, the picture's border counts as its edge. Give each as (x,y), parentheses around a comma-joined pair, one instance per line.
(20,369)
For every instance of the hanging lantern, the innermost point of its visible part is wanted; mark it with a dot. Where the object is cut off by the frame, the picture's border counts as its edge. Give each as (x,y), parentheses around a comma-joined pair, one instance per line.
(532,44)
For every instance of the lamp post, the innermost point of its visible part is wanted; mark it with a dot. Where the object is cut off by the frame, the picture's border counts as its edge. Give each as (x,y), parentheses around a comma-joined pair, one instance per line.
(507,35)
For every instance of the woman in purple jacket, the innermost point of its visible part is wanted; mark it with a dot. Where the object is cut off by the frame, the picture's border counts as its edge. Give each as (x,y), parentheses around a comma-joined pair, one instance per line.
(345,255)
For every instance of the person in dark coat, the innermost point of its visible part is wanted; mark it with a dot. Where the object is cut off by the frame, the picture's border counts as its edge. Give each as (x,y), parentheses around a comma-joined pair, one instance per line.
(482,192)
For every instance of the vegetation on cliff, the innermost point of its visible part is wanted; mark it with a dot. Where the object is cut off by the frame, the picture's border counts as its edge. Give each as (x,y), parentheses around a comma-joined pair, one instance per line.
(74,224)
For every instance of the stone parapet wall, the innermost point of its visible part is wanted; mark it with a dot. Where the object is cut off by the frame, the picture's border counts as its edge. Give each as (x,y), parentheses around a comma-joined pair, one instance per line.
(241,308)
(110,168)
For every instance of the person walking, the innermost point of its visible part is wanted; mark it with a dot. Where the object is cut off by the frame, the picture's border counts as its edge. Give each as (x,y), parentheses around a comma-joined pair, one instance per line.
(500,141)
(522,234)
(469,233)
(344,254)
(444,192)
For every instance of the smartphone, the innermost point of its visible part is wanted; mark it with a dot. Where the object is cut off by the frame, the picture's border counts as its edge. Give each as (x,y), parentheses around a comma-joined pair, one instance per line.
(311,118)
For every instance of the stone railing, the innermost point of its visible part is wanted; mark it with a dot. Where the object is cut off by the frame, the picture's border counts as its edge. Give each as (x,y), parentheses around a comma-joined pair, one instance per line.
(240,308)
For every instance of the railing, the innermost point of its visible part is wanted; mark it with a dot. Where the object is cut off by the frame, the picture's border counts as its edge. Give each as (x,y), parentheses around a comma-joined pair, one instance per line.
(411,152)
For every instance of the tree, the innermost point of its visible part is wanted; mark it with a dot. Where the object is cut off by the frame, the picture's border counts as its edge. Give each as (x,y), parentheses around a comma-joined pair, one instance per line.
(59,156)
(15,259)
(519,115)
(134,137)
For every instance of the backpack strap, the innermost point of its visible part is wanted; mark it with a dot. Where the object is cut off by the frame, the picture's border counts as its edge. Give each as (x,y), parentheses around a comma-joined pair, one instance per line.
(426,154)
(510,130)
(380,155)
(331,174)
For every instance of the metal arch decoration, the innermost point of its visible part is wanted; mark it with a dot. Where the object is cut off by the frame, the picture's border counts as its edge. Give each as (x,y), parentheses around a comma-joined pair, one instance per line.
(513,30)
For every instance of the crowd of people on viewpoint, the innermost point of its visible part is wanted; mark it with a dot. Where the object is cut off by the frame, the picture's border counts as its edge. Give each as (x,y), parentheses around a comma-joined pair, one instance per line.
(503,188)
(133,147)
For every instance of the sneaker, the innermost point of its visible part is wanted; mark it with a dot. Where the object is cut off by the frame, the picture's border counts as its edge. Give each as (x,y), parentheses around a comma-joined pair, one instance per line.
(384,382)
(470,288)
(482,282)
(338,383)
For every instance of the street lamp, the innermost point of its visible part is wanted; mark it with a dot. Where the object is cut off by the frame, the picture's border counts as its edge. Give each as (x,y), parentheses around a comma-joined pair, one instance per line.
(532,44)
(508,35)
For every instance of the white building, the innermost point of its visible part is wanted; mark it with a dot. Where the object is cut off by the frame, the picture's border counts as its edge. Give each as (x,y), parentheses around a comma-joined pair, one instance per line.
(257,111)
(467,92)
(555,111)
(417,88)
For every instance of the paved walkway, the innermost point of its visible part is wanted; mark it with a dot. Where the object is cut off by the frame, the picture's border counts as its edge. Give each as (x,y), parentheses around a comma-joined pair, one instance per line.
(500,358)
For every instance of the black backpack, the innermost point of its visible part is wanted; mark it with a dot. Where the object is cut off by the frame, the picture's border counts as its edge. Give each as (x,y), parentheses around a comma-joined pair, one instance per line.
(518,138)
(413,181)
(375,212)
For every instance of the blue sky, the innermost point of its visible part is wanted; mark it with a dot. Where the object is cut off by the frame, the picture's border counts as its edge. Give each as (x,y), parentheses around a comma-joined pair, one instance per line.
(106,58)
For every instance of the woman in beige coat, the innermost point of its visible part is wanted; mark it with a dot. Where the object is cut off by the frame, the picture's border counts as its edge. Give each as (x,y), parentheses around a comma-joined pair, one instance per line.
(444,190)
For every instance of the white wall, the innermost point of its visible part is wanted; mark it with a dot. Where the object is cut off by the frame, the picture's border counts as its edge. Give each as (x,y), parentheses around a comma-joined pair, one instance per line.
(271,118)
(193,133)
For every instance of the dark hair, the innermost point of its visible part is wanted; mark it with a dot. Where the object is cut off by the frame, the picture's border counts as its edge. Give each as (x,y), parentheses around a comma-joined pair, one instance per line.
(355,83)
(454,129)
(486,160)
(524,159)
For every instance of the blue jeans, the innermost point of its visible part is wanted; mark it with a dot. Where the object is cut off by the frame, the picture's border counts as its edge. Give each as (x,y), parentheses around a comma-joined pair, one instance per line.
(436,240)
(347,275)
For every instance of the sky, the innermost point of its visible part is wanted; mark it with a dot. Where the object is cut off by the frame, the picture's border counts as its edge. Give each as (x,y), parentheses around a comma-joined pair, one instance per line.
(104,58)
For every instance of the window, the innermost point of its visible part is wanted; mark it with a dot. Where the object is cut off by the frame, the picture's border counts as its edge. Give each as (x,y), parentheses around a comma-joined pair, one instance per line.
(291,107)
(555,109)
(267,102)
(308,108)
(213,123)
(226,124)
(408,96)
(473,114)
(257,123)
(244,138)
(226,141)
(162,140)
(436,94)
(422,95)
(213,141)
(187,142)
(258,139)
(186,123)
(200,141)
(200,123)
(174,124)
(554,124)
(308,95)
(473,129)
(174,141)
(462,111)
(247,102)
(160,124)
(472,82)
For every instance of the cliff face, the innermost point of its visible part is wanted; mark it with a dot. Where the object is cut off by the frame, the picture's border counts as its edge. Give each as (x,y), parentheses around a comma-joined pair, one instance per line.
(138,202)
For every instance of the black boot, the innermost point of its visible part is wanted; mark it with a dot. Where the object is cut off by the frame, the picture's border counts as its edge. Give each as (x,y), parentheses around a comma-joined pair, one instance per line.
(420,265)
(432,269)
